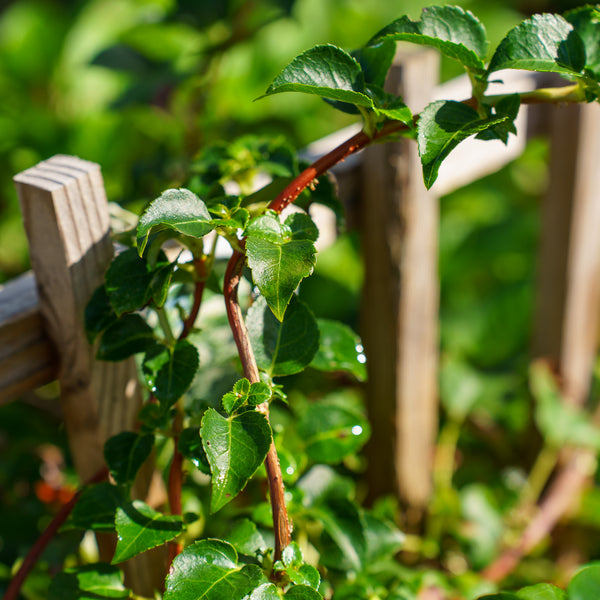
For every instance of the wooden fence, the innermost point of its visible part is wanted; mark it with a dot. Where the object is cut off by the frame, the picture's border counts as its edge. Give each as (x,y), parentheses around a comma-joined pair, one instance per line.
(66,220)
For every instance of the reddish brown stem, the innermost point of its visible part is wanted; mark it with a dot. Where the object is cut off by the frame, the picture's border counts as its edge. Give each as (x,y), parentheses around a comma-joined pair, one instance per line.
(354,144)
(200,267)
(14,587)
(281,522)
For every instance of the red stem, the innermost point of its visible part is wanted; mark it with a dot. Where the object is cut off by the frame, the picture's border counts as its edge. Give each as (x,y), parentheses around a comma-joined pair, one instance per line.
(198,292)
(14,587)
(281,522)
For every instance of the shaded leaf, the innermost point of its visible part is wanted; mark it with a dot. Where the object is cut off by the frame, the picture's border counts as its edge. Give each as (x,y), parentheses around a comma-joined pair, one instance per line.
(544,42)
(124,338)
(131,283)
(383,538)
(286,347)
(190,445)
(332,432)
(246,538)
(235,446)
(208,570)
(442,126)
(280,256)
(99,314)
(97,581)
(169,372)
(340,349)
(125,453)
(586,22)
(327,71)
(140,528)
(180,210)
(96,507)
(456,33)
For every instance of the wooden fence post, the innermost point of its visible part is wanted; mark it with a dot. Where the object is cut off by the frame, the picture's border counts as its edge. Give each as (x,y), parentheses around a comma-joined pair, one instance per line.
(66,220)
(400,301)
(568,302)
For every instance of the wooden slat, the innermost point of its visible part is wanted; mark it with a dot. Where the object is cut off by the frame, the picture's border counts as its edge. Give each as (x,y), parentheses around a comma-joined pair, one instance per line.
(66,219)
(27,358)
(399,322)
(568,304)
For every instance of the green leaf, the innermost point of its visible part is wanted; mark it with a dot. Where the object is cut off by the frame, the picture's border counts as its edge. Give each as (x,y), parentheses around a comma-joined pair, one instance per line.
(97,581)
(190,445)
(286,347)
(169,372)
(280,256)
(442,126)
(541,591)
(235,446)
(99,314)
(302,592)
(585,584)
(343,538)
(327,71)
(456,33)
(96,507)
(125,453)
(340,349)
(544,42)
(331,432)
(266,591)
(140,528)
(131,283)
(586,22)
(299,573)
(124,338)
(208,570)
(506,107)
(383,538)
(375,61)
(246,538)
(180,210)
(560,423)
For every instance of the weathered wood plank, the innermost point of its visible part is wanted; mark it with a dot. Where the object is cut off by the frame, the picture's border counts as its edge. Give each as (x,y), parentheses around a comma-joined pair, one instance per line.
(27,358)
(66,219)
(399,324)
(568,302)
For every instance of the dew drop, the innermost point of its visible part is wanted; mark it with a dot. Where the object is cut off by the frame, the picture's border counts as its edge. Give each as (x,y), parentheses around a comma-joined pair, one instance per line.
(361,358)
(290,470)
(357,430)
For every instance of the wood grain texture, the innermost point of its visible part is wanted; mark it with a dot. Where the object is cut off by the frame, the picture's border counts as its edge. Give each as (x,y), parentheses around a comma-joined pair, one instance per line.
(27,357)
(399,315)
(568,302)
(66,219)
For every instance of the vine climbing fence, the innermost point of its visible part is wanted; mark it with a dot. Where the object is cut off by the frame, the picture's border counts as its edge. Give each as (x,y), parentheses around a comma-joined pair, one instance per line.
(66,219)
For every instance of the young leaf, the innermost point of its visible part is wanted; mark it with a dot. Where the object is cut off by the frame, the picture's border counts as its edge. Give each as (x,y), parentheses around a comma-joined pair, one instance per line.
(124,338)
(96,507)
(208,570)
(442,126)
(332,432)
(506,107)
(340,349)
(169,372)
(585,583)
(125,453)
(286,347)
(544,42)
(456,33)
(299,573)
(235,446)
(180,210)
(280,256)
(327,71)
(140,528)
(99,581)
